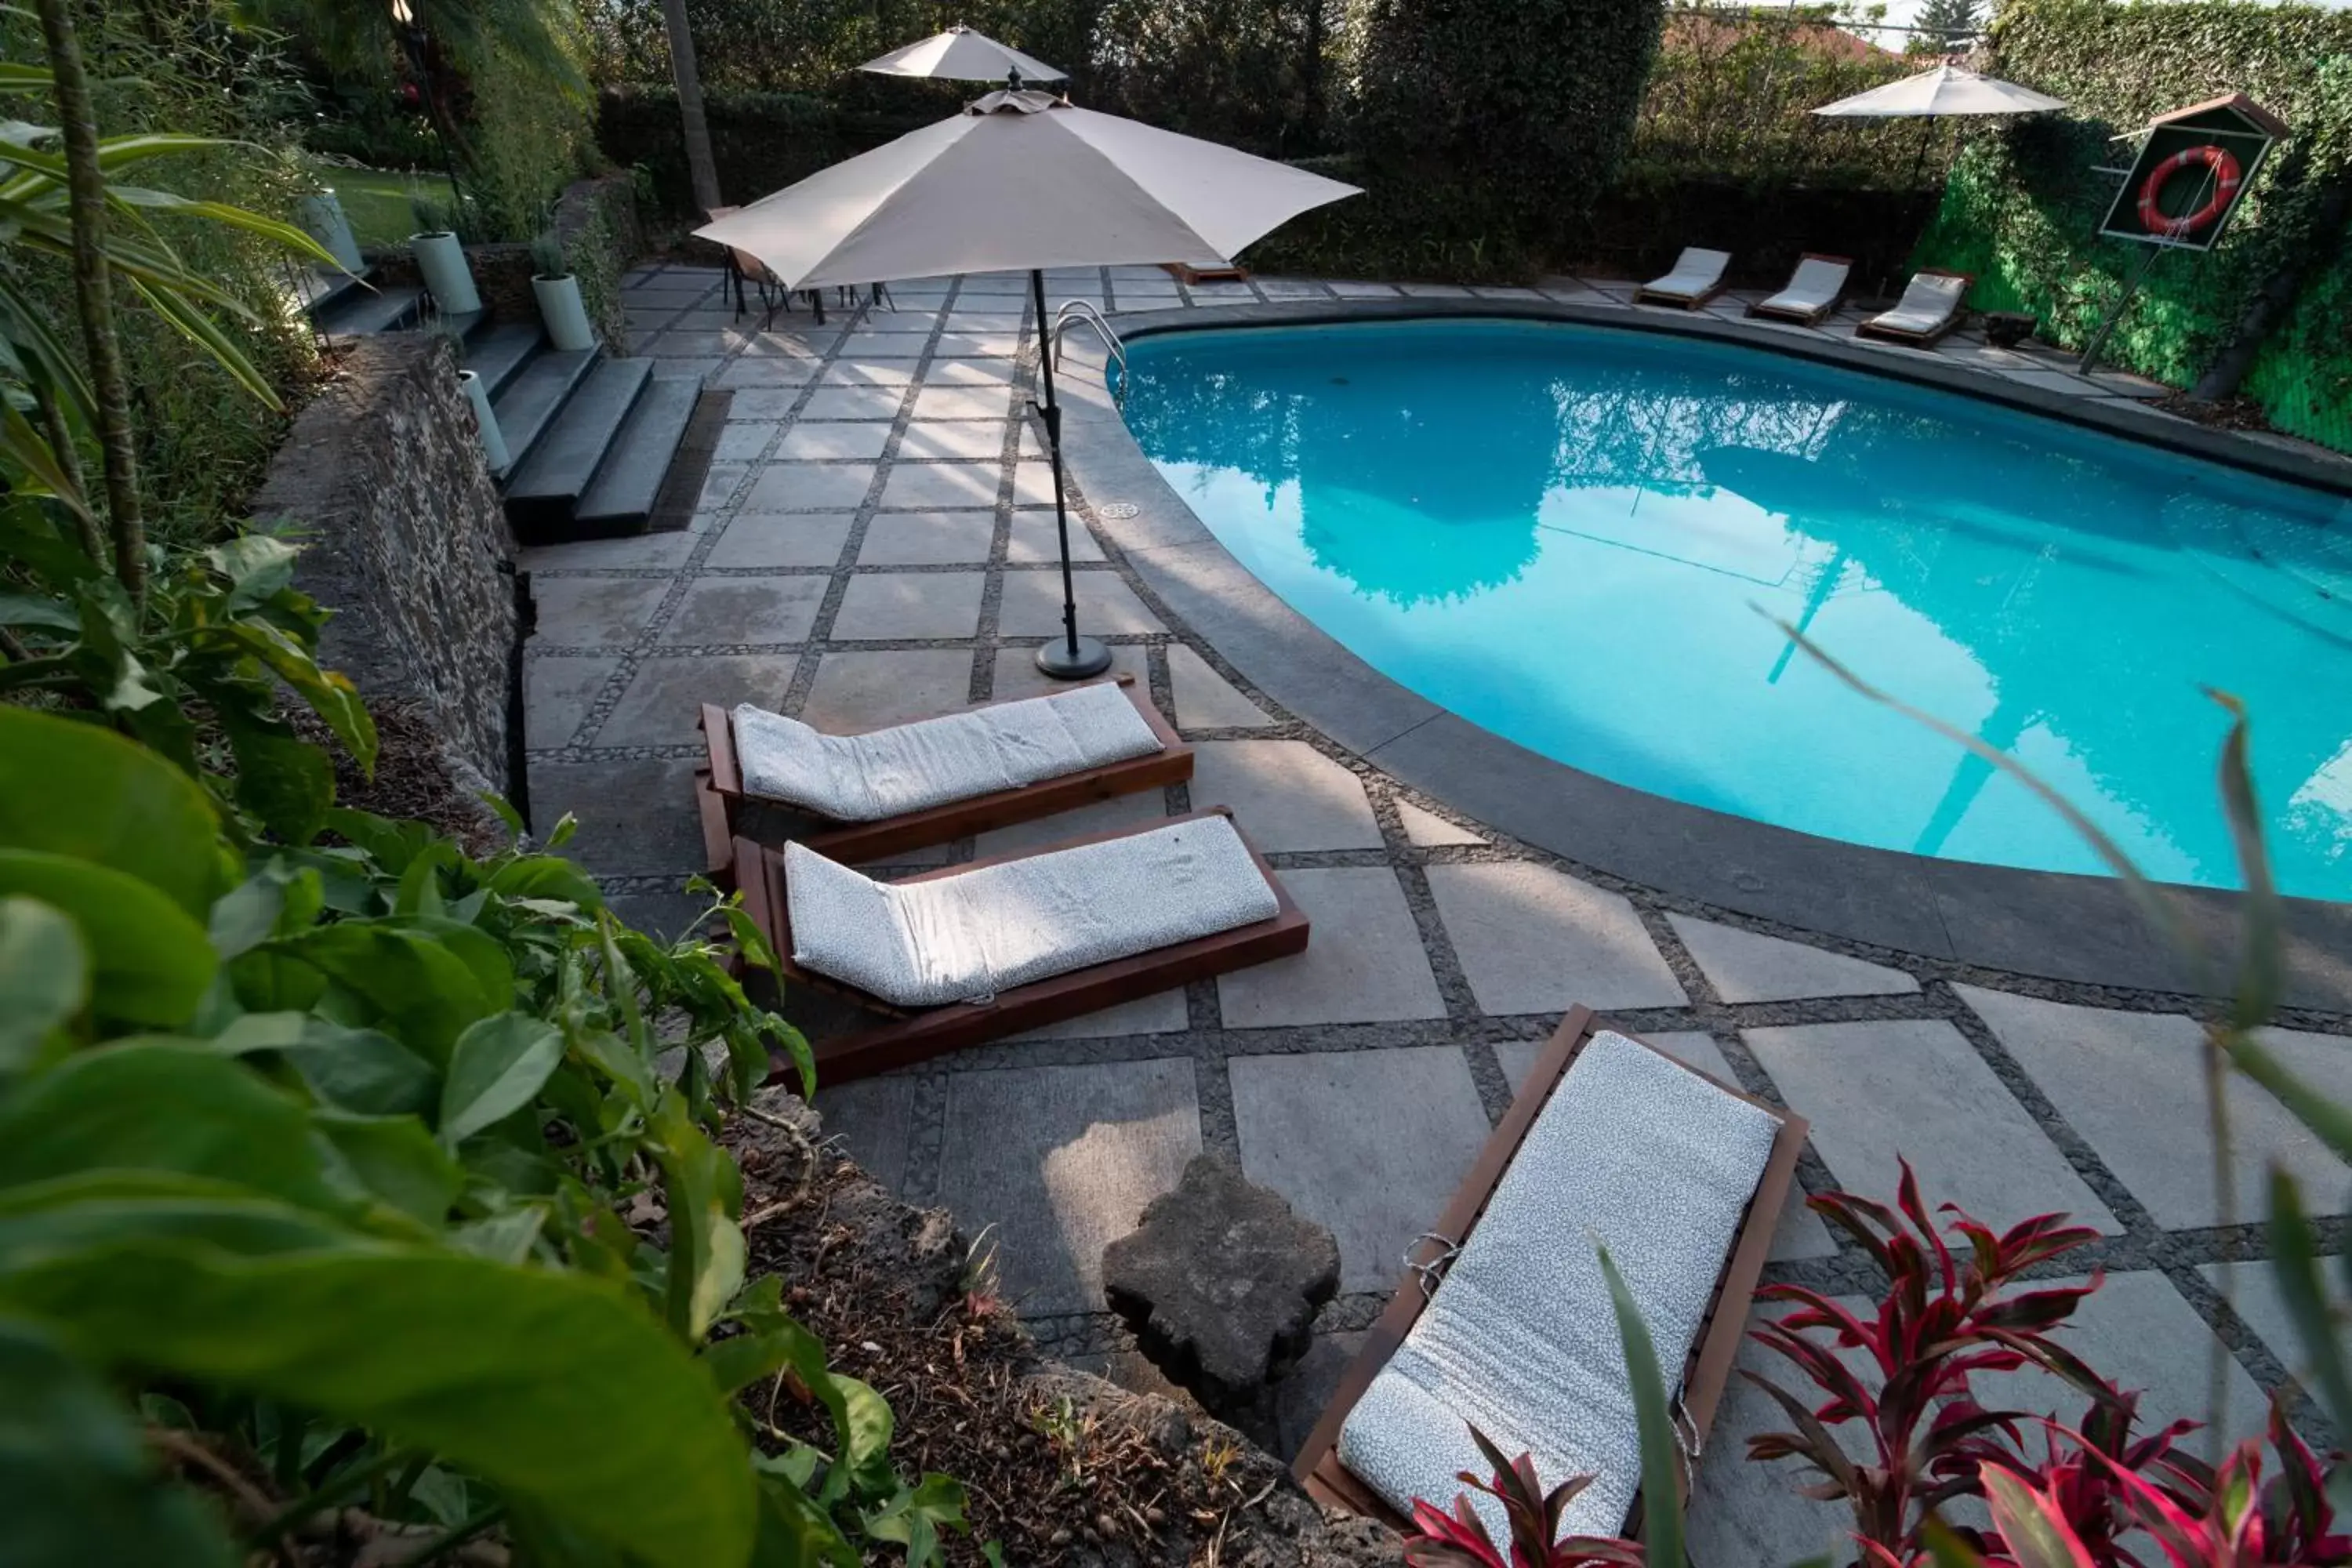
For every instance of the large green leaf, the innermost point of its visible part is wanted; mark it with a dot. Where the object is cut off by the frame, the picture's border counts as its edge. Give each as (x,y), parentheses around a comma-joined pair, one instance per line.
(417,988)
(495,1069)
(149,959)
(109,1208)
(398,1161)
(704,1192)
(79,790)
(44,979)
(549,1385)
(77,1484)
(281,779)
(1662,1511)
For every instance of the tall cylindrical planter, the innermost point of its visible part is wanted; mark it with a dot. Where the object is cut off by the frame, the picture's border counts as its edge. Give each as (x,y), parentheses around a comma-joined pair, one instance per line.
(442,260)
(561,313)
(494,441)
(324,220)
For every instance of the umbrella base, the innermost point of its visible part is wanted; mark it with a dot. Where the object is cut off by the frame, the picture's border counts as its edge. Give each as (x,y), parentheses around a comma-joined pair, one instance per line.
(1054,659)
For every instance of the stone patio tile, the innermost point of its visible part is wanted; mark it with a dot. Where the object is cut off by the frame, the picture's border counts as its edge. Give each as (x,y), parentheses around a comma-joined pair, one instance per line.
(744,441)
(895,605)
(853,403)
(764,404)
(927,538)
(1036,538)
(1368,1144)
(702,344)
(780,539)
(873,1118)
(910,318)
(1032,605)
(664,915)
(833,441)
(1744,966)
(596,612)
(942,485)
(1205,699)
(664,697)
(810,487)
(1364,290)
(1430,830)
(963,403)
(968,440)
(745,610)
(1033,484)
(983,373)
(978,345)
(908,346)
(1286,794)
(1299,1398)
(558,693)
(1062,1161)
(2253,1291)
(883,372)
(1161,1012)
(766,370)
(857,689)
(1533,940)
(636,818)
(996,283)
(2133,1085)
(638,552)
(1746,1515)
(1874,1091)
(1018,674)
(1363,963)
(1139,808)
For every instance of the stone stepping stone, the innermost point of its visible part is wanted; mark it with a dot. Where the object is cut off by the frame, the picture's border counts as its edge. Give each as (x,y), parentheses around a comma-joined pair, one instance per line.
(1745,967)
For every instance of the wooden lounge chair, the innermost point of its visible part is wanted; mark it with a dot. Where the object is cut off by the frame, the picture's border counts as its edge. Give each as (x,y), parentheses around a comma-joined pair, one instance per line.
(1697,277)
(1704,1374)
(720,798)
(911,1034)
(1184,272)
(1812,292)
(1934,302)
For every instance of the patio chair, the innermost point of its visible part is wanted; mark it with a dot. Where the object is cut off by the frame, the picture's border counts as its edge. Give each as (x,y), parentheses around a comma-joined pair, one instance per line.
(1812,292)
(970,953)
(862,797)
(742,267)
(1933,303)
(1697,277)
(1509,1324)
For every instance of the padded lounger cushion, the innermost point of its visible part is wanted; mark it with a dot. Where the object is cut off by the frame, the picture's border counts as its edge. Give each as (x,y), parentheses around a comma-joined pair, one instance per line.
(1695,271)
(912,767)
(1814,285)
(956,938)
(1631,1150)
(1927,304)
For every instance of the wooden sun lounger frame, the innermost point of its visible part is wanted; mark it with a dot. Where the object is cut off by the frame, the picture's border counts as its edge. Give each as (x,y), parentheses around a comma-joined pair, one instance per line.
(719,793)
(1936,334)
(1184,272)
(1812,317)
(1644,296)
(1704,1374)
(914,1035)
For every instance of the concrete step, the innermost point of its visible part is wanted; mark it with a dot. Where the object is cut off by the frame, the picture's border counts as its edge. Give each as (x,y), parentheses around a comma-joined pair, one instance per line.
(360,312)
(499,354)
(546,488)
(621,501)
(318,288)
(465,328)
(536,396)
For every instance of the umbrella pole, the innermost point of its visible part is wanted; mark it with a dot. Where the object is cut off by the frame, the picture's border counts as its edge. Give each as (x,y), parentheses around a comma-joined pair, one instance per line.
(1074,658)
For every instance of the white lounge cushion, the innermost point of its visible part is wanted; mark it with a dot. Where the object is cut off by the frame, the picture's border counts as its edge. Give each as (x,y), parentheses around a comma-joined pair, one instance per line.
(1695,272)
(912,767)
(1811,287)
(1930,299)
(955,939)
(1633,1151)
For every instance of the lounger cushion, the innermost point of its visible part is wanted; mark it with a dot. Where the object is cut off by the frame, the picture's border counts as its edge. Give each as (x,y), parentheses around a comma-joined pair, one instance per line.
(1811,288)
(1695,271)
(912,767)
(956,938)
(1633,1151)
(1928,302)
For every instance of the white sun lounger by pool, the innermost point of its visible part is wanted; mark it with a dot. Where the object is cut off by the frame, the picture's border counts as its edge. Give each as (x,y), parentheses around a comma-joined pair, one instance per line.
(1697,277)
(1812,291)
(1931,306)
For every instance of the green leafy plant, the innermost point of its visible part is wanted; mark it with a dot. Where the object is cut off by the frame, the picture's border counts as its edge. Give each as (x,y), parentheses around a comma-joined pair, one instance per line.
(547,256)
(431,213)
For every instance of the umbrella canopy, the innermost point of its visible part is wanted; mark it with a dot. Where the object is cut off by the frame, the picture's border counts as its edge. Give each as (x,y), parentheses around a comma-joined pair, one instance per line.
(1947,90)
(962,54)
(1021,181)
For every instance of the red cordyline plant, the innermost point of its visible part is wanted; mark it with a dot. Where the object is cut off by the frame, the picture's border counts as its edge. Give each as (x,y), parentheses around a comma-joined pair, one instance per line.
(1459,1539)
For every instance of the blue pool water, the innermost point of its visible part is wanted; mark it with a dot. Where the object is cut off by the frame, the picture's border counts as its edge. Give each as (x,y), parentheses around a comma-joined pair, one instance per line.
(1565,534)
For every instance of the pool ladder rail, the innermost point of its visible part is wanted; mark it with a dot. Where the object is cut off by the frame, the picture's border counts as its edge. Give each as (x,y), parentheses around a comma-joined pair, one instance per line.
(1078,312)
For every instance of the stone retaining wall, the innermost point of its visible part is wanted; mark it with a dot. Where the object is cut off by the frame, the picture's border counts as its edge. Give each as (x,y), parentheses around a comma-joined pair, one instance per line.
(407,543)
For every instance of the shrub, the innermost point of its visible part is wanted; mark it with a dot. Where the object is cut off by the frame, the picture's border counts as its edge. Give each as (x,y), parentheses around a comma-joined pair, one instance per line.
(1249,73)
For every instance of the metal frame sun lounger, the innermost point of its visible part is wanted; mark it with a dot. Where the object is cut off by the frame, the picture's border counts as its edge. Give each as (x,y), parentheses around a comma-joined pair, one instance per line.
(1934,303)
(1812,292)
(1697,277)
(720,798)
(911,1034)
(1546,1202)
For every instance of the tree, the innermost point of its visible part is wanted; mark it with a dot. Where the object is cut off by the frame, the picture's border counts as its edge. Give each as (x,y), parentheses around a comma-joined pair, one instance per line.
(702,168)
(1946,26)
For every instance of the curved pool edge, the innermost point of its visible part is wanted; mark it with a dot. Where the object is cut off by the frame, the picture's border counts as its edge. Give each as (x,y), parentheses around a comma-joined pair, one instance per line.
(2055,925)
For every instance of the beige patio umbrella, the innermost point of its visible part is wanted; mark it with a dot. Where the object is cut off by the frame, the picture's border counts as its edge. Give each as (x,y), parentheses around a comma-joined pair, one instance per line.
(1023,181)
(962,54)
(1948,89)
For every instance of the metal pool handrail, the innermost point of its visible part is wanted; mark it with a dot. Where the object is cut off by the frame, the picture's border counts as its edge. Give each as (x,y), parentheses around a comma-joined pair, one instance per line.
(1080,311)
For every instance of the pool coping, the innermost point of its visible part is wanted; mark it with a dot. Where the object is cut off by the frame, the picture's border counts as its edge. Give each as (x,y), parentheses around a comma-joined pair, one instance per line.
(2013,919)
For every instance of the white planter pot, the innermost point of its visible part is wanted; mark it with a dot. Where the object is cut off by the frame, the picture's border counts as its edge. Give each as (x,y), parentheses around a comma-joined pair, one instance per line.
(562,314)
(324,220)
(442,260)
(494,441)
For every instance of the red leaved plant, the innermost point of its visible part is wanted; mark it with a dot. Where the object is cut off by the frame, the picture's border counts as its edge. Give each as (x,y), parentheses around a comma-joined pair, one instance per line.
(1459,1539)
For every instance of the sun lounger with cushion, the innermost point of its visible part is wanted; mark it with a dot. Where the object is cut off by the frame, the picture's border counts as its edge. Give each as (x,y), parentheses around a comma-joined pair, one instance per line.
(1812,291)
(1697,277)
(1932,305)
(938,779)
(954,957)
(1610,1141)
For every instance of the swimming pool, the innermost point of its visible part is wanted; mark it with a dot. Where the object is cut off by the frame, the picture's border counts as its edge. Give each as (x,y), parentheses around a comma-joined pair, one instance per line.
(1565,534)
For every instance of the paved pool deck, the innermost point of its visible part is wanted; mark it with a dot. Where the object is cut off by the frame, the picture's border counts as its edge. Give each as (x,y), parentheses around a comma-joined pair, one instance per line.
(875,543)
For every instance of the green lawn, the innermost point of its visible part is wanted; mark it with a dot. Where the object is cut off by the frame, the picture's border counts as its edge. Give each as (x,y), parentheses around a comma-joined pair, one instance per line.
(376,200)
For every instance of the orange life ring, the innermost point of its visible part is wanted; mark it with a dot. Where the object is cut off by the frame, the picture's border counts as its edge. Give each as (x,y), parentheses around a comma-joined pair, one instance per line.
(2226,180)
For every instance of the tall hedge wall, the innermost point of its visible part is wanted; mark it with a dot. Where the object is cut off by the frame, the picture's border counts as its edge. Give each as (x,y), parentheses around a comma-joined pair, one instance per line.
(2021,209)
